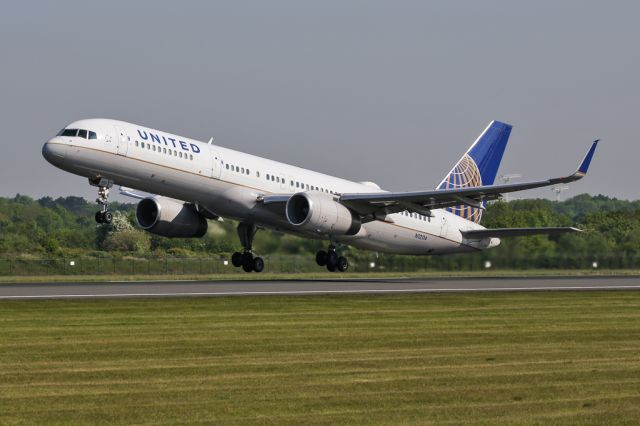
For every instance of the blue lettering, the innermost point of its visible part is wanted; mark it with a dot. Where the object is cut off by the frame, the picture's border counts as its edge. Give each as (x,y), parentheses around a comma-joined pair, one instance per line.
(143,136)
(165,141)
(154,137)
(183,145)
(195,148)
(173,141)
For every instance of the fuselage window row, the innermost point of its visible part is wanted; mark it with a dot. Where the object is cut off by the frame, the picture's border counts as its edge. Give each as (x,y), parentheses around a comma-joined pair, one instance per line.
(163,150)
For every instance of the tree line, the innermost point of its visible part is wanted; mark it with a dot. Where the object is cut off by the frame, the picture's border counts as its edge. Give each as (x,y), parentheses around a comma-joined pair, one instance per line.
(65,226)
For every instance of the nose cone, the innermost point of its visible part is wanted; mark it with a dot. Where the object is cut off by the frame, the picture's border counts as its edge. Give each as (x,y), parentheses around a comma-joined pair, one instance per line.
(54,152)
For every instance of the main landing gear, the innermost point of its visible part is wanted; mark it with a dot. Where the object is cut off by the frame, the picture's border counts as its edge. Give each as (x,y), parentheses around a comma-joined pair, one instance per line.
(104,215)
(332,260)
(246,232)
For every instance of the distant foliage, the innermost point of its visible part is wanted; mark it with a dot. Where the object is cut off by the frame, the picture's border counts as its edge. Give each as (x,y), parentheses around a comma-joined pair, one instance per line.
(64,226)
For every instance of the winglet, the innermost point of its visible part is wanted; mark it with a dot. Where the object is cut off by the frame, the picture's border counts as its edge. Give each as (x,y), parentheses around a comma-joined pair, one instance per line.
(584,166)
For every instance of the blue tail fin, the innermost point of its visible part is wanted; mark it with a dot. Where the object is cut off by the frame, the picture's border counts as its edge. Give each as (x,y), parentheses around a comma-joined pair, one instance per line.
(478,166)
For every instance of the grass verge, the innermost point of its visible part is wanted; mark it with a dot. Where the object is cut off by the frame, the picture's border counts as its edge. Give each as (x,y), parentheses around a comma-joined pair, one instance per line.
(523,358)
(320,275)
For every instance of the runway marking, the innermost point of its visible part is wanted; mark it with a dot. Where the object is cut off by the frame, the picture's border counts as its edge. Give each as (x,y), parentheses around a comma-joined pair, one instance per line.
(318,292)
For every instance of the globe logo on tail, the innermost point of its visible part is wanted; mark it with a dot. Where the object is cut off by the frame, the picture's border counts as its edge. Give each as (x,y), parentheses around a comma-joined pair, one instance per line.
(465,174)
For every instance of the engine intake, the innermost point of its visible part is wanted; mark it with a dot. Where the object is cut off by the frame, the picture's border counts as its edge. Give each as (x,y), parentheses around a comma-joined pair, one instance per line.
(170,218)
(318,212)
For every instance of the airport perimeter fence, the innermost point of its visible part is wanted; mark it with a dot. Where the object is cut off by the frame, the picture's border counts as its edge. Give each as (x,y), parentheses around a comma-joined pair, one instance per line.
(220,264)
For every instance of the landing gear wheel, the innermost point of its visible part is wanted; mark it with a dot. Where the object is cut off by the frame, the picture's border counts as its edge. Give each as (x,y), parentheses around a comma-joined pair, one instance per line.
(332,259)
(342,264)
(321,258)
(247,262)
(331,268)
(258,264)
(107,217)
(236,259)
(104,215)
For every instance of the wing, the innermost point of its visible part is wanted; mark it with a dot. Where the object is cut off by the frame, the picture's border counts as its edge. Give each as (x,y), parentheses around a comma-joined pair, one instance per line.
(515,232)
(377,205)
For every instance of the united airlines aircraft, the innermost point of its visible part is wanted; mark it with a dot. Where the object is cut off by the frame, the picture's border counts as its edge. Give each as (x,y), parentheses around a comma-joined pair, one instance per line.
(195,181)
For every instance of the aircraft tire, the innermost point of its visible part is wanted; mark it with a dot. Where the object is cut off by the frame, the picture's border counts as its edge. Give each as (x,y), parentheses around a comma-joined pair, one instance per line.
(332,259)
(258,264)
(107,217)
(247,262)
(99,217)
(343,264)
(331,268)
(321,258)
(236,259)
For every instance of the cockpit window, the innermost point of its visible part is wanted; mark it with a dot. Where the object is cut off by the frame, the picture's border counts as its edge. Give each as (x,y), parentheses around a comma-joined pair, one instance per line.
(68,132)
(81,133)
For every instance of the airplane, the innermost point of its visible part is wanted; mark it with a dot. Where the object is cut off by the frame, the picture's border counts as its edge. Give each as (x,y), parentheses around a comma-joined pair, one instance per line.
(194,181)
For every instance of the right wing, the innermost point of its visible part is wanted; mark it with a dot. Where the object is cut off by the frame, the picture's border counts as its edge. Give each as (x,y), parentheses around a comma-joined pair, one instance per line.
(376,205)
(515,232)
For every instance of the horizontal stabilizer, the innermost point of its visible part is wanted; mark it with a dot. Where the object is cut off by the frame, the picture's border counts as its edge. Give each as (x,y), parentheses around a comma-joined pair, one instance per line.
(516,232)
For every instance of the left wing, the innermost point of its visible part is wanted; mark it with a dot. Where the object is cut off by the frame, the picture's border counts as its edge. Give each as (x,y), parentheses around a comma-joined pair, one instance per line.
(376,205)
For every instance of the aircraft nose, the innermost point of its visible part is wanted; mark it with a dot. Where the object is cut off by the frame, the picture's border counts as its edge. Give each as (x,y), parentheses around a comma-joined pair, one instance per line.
(54,152)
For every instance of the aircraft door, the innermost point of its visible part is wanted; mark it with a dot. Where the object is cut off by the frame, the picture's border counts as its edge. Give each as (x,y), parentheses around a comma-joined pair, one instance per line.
(444,226)
(122,141)
(217,164)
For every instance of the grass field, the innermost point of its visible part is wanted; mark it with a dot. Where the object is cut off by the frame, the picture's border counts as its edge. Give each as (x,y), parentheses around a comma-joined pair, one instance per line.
(562,357)
(242,276)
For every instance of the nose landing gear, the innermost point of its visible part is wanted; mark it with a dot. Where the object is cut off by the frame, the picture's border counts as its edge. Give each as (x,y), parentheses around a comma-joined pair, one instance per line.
(103,215)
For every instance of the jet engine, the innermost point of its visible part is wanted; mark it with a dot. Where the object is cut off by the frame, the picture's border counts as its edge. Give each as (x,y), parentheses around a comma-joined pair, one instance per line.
(170,218)
(319,212)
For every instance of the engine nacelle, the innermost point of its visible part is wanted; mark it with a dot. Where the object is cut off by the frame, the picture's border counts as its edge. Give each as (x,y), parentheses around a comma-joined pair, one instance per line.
(319,212)
(170,218)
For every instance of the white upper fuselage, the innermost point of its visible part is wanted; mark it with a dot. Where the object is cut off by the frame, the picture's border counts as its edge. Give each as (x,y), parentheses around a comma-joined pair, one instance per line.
(229,183)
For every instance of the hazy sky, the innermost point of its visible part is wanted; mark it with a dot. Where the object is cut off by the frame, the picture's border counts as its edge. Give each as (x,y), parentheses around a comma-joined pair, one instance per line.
(392,92)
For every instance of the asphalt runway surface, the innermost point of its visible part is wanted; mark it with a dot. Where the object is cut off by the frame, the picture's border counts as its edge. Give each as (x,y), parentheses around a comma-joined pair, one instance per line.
(71,290)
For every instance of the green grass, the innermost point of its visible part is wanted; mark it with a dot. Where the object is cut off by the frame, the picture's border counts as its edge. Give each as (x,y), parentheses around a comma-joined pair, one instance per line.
(525,358)
(319,275)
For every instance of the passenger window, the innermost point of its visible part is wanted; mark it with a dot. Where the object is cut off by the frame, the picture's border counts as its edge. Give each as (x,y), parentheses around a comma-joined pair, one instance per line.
(297,184)
(242,170)
(93,135)
(175,153)
(267,176)
(180,154)
(154,148)
(137,143)
(190,156)
(257,174)
(69,132)
(273,179)
(248,172)
(142,145)
(227,166)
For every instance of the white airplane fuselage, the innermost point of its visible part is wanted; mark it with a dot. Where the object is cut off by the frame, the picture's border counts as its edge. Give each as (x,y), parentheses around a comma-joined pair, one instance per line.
(230,184)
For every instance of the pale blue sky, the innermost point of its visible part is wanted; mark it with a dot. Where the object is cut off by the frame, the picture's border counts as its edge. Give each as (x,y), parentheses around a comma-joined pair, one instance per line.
(392,92)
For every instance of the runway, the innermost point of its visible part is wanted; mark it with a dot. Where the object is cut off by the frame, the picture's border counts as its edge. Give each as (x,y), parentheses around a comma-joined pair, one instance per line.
(71,290)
